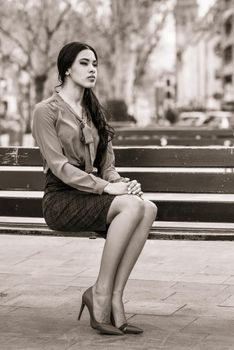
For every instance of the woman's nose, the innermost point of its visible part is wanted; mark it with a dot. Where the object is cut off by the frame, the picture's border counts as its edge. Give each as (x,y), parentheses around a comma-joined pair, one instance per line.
(92,69)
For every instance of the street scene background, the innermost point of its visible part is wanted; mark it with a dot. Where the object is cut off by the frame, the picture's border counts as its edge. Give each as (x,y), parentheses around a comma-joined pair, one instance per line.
(162,63)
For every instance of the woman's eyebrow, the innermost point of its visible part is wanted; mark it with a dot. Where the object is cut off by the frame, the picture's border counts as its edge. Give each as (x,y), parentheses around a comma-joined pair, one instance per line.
(87,59)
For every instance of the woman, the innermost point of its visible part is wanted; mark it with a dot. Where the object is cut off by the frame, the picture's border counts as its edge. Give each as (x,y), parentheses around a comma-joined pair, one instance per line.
(83,191)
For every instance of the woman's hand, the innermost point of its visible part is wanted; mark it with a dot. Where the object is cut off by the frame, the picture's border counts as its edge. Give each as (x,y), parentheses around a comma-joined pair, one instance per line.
(117,188)
(124,187)
(134,187)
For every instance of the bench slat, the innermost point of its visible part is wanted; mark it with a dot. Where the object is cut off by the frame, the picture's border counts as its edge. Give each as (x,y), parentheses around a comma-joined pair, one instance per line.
(40,222)
(159,230)
(173,142)
(175,156)
(151,181)
(137,156)
(20,156)
(168,210)
(172,197)
(177,132)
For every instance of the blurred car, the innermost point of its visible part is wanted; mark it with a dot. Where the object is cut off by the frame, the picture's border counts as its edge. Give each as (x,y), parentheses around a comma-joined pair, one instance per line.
(213,119)
(219,119)
(191,119)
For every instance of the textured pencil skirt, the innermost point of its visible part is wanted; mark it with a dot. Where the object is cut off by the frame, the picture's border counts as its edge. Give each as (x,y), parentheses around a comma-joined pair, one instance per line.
(68,209)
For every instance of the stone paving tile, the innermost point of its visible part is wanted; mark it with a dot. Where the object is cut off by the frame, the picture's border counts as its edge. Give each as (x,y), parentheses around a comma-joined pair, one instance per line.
(39,289)
(32,322)
(152,307)
(67,271)
(91,272)
(39,262)
(182,277)
(42,277)
(46,299)
(10,280)
(82,281)
(4,310)
(171,323)
(151,290)
(193,287)
(227,268)
(229,280)
(229,302)
(229,288)
(155,275)
(6,297)
(210,325)
(203,278)
(201,310)
(31,294)
(217,342)
(201,297)
(28,343)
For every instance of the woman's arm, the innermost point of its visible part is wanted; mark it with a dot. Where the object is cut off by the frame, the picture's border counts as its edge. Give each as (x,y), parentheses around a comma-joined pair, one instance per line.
(108,171)
(44,132)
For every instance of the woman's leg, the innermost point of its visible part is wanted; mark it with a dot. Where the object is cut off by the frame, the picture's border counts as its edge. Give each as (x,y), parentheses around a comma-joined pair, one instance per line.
(124,215)
(129,259)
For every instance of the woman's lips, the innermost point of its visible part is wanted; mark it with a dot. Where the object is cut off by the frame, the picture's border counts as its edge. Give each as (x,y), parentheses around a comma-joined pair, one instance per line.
(92,78)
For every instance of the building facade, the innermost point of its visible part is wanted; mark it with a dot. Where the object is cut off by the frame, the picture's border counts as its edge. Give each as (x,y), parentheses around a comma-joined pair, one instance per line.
(227,31)
(199,68)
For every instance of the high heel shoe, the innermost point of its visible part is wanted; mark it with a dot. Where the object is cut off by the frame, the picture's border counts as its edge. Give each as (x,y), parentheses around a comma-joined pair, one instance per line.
(103,328)
(127,328)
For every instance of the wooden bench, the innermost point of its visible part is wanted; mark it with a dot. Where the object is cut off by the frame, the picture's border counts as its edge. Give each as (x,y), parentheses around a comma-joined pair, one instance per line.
(193,136)
(193,188)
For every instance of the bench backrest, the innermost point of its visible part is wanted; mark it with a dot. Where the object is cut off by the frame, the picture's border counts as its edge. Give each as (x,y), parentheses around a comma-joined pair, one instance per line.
(174,136)
(168,171)
(159,169)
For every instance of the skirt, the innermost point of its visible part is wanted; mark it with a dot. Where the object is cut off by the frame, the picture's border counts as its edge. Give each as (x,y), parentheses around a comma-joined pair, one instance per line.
(68,209)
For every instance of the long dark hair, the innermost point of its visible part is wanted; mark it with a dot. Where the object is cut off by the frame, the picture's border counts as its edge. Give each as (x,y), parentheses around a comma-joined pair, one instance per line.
(98,113)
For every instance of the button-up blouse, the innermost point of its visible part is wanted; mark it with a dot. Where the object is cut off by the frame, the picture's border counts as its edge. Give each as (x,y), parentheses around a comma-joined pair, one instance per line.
(67,144)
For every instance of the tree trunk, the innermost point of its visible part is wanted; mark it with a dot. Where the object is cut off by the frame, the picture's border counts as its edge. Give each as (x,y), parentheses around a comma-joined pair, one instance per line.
(39,82)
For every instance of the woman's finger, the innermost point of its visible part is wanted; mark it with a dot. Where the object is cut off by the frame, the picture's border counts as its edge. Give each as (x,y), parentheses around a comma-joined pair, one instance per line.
(136,187)
(132,184)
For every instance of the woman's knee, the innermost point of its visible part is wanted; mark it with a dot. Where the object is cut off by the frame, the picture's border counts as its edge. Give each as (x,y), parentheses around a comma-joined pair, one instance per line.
(129,204)
(150,209)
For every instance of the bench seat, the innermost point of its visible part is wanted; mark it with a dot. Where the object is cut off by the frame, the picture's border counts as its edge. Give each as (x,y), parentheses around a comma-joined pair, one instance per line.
(159,230)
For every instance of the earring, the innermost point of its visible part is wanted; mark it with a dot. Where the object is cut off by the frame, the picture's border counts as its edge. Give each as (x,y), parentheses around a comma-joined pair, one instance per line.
(67,73)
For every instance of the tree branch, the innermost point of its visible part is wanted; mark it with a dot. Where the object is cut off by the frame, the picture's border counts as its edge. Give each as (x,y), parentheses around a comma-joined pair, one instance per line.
(14,39)
(145,54)
(50,32)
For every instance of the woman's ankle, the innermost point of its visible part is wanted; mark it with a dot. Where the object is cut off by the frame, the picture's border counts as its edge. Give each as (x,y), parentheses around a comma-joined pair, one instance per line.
(118,313)
(102,290)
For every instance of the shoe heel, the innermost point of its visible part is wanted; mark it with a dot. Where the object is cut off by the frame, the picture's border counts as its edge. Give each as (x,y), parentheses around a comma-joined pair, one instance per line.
(81,310)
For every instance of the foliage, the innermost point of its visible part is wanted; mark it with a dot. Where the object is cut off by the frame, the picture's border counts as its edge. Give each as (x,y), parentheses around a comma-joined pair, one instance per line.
(32,34)
(124,32)
(128,32)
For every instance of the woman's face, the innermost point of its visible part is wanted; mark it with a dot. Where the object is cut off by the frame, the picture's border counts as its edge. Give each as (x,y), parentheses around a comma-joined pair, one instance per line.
(83,71)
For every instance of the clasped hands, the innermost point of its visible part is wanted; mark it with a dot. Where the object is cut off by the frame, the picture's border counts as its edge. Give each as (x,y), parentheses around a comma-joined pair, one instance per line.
(134,187)
(124,186)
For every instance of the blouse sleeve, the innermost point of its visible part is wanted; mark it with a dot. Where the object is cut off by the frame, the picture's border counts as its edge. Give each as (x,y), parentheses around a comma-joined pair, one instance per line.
(108,171)
(44,132)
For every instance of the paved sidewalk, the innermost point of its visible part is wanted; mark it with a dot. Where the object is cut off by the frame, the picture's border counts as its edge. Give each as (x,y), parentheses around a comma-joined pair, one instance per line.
(180,292)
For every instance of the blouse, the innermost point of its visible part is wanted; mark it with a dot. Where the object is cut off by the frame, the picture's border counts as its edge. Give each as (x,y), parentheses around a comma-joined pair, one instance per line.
(68,145)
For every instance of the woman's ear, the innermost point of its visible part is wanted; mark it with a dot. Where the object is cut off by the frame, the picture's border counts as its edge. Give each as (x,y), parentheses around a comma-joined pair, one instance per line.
(68,71)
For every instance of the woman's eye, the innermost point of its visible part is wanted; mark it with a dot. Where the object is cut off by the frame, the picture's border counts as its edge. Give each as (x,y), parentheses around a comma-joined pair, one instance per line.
(84,63)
